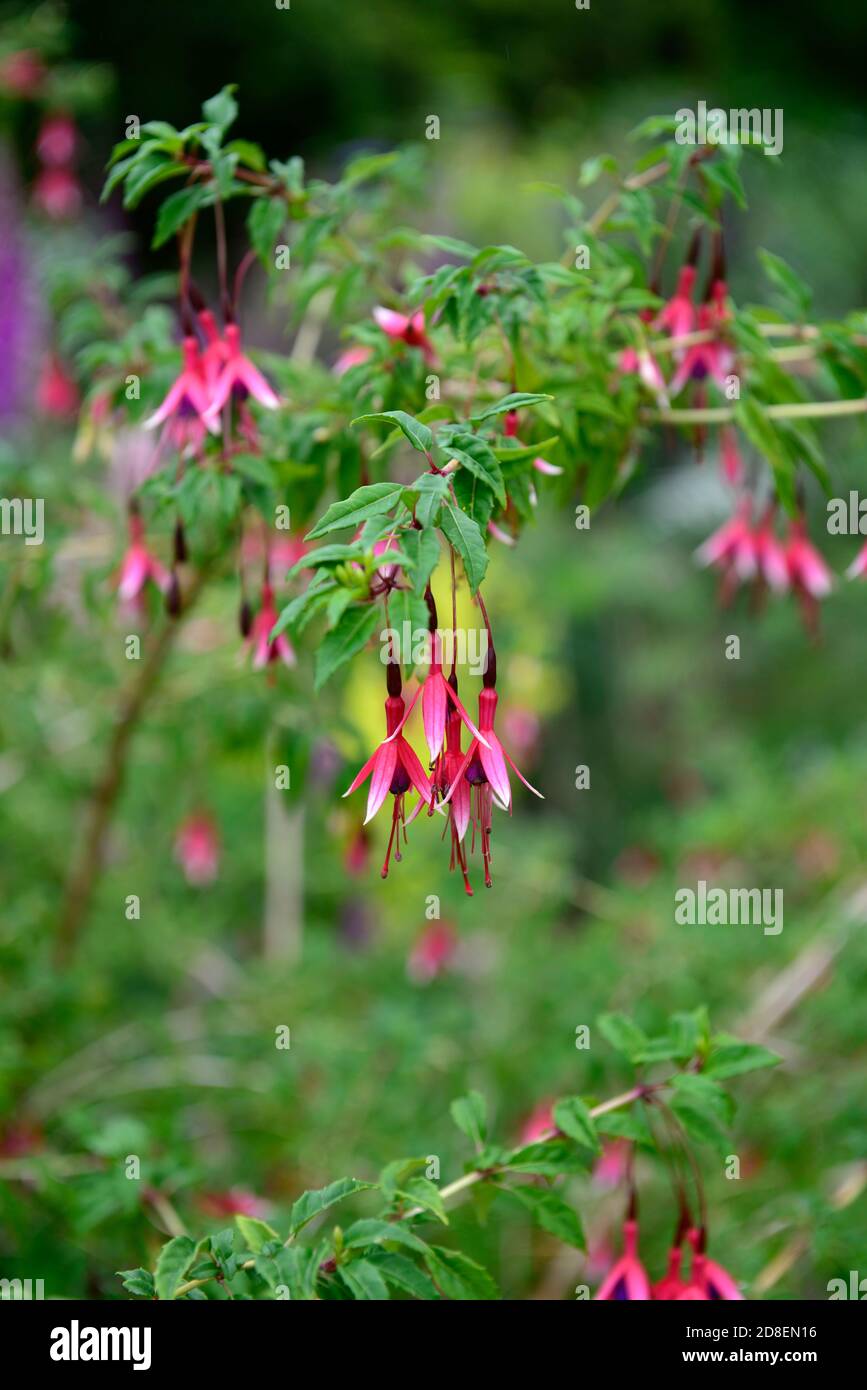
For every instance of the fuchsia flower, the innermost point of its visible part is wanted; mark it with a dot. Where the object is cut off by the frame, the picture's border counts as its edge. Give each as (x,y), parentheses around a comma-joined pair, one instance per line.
(239,378)
(499,534)
(707,1280)
(808,571)
(641,363)
(351,357)
(671,1285)
(265,650)
(627,1280)
(612,1166)
(731,463)
(22,73)
(197,849)
(703,360)
(57,193)
(678,315)
(185,407)
(233,1201)
(484,766)
(433,953)
(409,329)
(57,140)
(510,430)
(215,352)
(448,773)
(539,1124)
(139,566)
(438,694)
(393,767)
(56,392)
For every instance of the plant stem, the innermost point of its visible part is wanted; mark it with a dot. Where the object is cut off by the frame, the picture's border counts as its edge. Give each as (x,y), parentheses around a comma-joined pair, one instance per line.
(86,867)
(793,410)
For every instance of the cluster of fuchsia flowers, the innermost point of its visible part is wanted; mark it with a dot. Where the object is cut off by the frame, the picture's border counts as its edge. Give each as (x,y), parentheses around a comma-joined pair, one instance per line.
(746,548)
(628,1279)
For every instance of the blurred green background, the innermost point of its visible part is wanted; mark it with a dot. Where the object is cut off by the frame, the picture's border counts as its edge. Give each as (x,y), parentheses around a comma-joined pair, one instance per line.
(158,1039)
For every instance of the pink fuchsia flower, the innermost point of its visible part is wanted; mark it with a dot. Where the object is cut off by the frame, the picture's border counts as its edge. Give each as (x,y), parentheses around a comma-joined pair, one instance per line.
(266,651)
(707,1280)
(186,404)
(393,767)
(215,351)
(612,1166)
(235,1201)
(858,566)
(731,463)
(56,392)
(808,572)
(139,566)
(484,767)
(641,363)
(627,1280)
(57,140)
(438,695)
(539,1124)
(447,773)
(672,1285)
(678,315)
(409,329)
(731,548)
(702,360)
(510,430)
(770,555)
(238,378)
(22,73)
(57,193)
(500,535)
(433,953)
(282,551)
(351,357)
(197,849)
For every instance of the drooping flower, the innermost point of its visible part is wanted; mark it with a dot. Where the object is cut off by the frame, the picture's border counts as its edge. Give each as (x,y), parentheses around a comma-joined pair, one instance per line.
(627,1280)
(484,766)
(672,1285)
(185,407)
(438,694)
(702,360)
(731,549)
(238,378)
(393,767)
(197,849)
(731,463)
(57,140)
(139,566)
(351,357)
(539,1124)
(57,192)
(707,1280)
(448,774)
(678,315)
(500,535)
(406,328)
(640,362)
(56,392)
(808,572)
(433,953)
(266,651)
(215,352)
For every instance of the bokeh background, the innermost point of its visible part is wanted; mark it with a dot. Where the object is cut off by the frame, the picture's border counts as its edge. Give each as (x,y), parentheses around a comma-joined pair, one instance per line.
(157,1038)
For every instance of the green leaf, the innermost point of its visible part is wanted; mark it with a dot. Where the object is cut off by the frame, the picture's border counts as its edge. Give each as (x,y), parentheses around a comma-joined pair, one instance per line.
(463,533)
(311,1203)
(425,1194)
(572,1116)
(171,1265)
(550,1211)
(374,1232)
(418,434)
(516,400)
(256,1233)
(364,1281)
(354,630)
(516,453)
(265,222)
(374,499)
(401,1272)
(146,173)
(477,457)
(470,1115)
(548,1158)
(624,1035)
(730,1057)
(426,495)
(786,280)
(422,551)
(177,209)
(139,1282)
(222,109)
(459,1277)
(723,175)
(294,1268)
